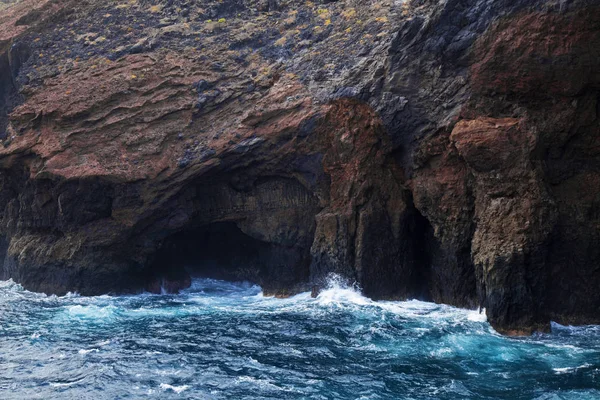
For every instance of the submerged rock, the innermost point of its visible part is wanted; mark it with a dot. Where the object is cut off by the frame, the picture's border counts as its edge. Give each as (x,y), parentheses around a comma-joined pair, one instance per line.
(440,151)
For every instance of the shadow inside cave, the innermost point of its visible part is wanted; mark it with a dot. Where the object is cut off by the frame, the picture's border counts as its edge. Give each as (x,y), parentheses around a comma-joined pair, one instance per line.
(222,251)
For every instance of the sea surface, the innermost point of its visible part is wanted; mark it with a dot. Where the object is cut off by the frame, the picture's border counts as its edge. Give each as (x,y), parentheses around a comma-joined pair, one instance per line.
(220,340)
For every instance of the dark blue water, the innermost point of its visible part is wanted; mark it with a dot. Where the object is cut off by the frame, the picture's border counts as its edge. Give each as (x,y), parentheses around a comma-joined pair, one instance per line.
(221,340)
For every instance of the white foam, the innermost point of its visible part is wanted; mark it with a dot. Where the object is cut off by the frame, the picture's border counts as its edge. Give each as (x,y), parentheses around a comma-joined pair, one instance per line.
(477,316)
(65,384)
(261,383)
(11,285)
(83,351)
(91,311)
(443,352)
(565,346)
(176,389)
(59,384)
(566,370)
(339,292)
(562,370)
(342,296)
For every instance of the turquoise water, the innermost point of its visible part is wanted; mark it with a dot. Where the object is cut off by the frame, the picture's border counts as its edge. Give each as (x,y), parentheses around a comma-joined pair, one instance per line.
(222,340)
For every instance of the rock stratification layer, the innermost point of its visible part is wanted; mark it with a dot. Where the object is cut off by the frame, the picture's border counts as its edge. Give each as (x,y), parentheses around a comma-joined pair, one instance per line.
(441,150)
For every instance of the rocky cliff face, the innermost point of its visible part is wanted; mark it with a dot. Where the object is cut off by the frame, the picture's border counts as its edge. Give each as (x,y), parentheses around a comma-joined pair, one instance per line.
(445,150)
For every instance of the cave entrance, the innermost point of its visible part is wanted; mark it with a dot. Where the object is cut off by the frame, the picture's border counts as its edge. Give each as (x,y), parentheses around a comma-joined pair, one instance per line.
(223,251)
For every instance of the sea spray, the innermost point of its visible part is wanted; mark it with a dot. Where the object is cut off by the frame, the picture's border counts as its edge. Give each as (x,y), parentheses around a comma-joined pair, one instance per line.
(340,291)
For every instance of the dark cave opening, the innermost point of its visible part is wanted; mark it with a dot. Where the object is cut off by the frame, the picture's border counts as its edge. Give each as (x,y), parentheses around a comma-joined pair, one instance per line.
(418,253)
(398,265)
(222,251)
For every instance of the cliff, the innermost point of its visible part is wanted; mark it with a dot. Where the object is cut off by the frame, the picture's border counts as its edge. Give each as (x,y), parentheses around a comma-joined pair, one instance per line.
(444,150)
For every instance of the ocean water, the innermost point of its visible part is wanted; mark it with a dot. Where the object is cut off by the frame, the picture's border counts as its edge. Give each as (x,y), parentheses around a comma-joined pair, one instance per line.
(221,340)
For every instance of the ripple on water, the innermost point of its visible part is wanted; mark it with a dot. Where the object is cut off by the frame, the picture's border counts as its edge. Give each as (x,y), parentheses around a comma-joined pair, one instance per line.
(222,340)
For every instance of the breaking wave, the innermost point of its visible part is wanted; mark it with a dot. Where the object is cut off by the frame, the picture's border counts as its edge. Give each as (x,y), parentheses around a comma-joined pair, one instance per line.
(223,340)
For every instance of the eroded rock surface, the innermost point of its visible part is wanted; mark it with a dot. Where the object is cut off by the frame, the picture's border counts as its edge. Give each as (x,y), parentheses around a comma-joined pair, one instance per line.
(441,150)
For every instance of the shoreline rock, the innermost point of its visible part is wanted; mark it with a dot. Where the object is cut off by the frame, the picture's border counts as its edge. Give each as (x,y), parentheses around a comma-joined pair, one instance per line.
(439,151)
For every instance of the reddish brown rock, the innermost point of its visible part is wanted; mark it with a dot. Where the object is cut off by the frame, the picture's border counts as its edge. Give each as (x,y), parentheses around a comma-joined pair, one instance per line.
(418,149)
(540,55)
(442,190)
(514,217)
(521,143)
